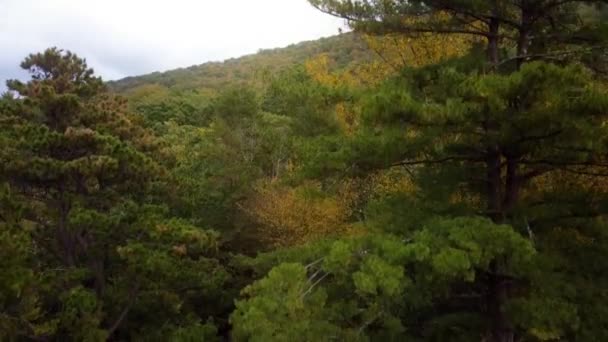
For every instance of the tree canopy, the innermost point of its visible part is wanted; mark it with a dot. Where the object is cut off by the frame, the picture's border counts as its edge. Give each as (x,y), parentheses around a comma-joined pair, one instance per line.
(438,174)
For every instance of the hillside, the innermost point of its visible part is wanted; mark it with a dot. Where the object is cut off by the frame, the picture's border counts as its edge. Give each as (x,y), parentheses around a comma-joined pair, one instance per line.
(342,49)
(429,187)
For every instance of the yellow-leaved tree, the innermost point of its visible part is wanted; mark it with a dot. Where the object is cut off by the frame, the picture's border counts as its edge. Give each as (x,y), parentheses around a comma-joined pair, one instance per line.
(288,216)
(391,53)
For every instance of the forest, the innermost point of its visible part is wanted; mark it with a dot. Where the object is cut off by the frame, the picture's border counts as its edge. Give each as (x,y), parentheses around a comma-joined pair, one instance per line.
(437,173)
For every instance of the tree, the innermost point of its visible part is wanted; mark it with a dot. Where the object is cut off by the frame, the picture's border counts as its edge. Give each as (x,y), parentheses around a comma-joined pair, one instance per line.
(81,171)
(530,29)
(375,287)
(157,104)
(289,216)
(494,128)
(432,124)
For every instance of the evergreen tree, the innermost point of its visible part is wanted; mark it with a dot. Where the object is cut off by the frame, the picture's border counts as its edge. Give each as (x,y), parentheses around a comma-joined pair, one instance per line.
(495,139)
(512,30)
(77,166)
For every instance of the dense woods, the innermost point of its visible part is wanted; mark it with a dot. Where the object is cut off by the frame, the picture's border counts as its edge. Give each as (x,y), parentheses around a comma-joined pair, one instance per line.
(437,174)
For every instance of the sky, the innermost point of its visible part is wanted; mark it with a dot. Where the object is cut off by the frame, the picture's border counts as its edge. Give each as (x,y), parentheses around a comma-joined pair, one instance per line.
(122,38)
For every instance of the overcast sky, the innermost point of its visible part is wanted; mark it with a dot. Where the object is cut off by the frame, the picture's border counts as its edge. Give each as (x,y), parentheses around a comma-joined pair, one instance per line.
(131,37)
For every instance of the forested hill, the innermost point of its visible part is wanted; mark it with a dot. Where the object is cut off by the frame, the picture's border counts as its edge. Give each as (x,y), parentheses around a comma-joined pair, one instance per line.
(445,185)
(342,49)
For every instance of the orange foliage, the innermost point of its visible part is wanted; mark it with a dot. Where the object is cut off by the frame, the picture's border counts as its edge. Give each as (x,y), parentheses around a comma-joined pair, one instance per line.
(292,216)
(566,181)
(399,51)
(392,181)
(465,197)
(347,117)
(394,52)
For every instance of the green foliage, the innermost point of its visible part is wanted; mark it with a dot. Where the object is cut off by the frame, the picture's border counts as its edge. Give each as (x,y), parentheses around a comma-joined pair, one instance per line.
(508,145)
(213,77)
(157,105)
(88,252)
(284,306)
(214,167)
(461,199)
(376,280)
(294,94)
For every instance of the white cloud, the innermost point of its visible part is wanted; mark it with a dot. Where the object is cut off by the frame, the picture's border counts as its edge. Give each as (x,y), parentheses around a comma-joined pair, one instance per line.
(129,37)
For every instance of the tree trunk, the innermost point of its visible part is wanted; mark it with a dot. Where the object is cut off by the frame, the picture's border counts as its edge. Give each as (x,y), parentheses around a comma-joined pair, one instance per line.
(493,35)
(512,185)
(64,236)
(494,184)
(523,41)
(502,330)
(497,292)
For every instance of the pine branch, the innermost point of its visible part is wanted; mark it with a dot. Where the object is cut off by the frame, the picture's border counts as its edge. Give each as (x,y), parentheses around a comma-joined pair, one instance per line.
(437,161)
(564,164)
(553,54)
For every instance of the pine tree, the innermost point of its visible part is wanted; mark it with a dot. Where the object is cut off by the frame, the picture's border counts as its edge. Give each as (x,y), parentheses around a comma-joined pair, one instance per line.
(495,130)
(513,30)
(82,172)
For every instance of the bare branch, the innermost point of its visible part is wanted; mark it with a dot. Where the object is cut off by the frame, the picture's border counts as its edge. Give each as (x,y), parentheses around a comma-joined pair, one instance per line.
(125,311)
